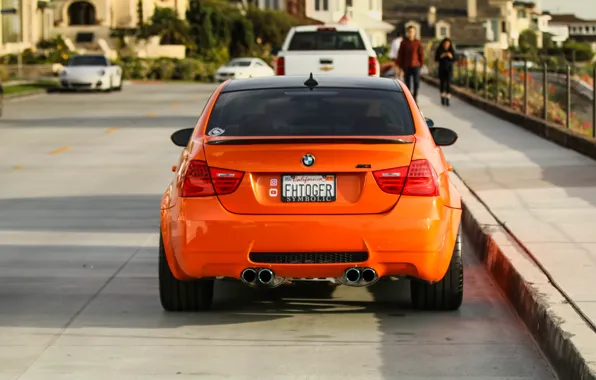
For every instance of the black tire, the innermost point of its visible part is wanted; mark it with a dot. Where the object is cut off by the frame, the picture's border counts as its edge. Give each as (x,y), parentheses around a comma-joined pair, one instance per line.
(176,295)
(446,294)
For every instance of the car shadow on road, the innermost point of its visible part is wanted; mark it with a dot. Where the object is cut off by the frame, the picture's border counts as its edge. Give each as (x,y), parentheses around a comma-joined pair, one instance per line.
(98,295)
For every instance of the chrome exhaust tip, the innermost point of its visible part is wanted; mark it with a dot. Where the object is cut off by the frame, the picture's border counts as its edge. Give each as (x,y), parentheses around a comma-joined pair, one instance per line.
(266,276)
(248,276)
(369,275)
(352,275)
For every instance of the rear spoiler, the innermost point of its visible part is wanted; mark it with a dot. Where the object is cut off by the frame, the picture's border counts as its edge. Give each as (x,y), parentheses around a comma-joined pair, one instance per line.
(309,140)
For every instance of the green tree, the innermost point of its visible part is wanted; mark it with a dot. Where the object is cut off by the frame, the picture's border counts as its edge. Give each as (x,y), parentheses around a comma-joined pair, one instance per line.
(242,37)
(528,41)
(547,41)
(270,26)
(580,51)
(166,24)
(198,17)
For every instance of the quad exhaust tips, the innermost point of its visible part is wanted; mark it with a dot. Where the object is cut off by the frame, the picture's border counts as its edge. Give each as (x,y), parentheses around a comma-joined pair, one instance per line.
(369,275)
(359,277)
(260,277)
(352,276)
(248,276)
(266,276)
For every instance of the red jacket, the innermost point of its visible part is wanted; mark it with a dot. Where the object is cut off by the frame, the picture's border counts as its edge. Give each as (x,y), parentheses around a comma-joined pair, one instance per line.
(410,54)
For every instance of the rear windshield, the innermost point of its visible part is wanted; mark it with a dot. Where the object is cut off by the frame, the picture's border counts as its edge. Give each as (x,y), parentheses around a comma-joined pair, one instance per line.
(320,112)
(88,60)
(326,40)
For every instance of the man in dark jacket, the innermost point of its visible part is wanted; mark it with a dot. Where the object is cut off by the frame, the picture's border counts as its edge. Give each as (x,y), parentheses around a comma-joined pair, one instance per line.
(410,59)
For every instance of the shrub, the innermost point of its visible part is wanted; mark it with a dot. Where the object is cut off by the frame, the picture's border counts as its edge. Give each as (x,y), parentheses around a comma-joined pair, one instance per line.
(168,69)
(163,69)
(139,69)
(187,69)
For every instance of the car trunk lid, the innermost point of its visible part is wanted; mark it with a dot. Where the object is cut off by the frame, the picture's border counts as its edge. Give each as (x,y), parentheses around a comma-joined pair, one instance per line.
(308,175)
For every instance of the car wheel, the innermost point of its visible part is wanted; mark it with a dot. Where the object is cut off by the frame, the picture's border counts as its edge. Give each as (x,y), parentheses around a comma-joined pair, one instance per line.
(446,294)
(177,295)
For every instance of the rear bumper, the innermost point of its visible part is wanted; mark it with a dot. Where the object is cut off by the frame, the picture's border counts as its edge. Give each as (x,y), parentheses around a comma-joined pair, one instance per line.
(415,239)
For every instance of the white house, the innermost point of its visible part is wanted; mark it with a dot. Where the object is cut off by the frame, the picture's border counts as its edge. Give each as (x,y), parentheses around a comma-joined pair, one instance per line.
(81,21)
(367,14)
(573,27)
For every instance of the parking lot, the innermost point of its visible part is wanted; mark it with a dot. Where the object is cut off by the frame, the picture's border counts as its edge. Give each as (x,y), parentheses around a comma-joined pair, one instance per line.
(81,178)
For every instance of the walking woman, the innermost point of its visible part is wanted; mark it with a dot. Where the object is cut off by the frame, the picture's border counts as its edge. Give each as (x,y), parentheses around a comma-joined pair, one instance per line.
(445,56)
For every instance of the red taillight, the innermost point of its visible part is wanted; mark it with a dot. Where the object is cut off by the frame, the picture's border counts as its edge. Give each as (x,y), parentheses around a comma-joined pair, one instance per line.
(201,181)
(419,179)
(422,180)
(391,180)
(372,66)
(280,66)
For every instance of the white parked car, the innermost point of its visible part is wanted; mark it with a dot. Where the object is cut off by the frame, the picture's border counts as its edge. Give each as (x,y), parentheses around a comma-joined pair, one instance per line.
(243,68)
(91,72)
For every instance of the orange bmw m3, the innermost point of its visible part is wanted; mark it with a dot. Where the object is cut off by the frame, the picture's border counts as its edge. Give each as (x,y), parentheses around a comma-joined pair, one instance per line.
(288,179)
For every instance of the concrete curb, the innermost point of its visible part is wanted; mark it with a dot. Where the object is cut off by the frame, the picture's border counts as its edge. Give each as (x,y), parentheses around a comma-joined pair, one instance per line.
(564,337)
(550,131)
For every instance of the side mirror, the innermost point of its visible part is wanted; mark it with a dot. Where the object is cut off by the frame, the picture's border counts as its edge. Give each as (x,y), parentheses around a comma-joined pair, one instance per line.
(429,122)
(182,137)
(443,136)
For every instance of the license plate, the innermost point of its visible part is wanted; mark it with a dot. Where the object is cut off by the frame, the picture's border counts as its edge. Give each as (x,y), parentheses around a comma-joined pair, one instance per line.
(308,188)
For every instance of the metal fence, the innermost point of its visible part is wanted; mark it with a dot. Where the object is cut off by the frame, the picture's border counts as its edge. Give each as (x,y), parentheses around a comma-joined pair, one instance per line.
(563,95)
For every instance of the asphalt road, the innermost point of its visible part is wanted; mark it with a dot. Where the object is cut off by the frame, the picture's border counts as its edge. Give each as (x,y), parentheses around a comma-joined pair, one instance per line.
(81,176)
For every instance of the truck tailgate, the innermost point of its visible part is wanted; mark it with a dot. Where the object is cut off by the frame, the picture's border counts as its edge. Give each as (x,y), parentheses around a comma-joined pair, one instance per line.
(348,63)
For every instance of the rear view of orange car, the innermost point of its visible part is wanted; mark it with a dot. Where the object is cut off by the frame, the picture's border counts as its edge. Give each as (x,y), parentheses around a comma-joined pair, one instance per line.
(293,178)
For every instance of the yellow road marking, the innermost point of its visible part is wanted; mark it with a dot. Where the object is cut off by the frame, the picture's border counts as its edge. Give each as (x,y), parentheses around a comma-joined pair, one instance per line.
(17,167)
(175,105)
(60,150)
(152,114)
(113,129)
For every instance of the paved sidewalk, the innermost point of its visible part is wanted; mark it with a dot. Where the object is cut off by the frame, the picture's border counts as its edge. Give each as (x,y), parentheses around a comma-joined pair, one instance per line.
(545,194)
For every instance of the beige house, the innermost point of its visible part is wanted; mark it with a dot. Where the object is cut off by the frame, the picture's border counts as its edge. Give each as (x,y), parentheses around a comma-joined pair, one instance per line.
(81,21)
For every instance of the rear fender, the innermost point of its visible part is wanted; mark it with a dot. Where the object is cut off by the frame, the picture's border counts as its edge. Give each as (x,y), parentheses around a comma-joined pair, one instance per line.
(426,149)
(166,235)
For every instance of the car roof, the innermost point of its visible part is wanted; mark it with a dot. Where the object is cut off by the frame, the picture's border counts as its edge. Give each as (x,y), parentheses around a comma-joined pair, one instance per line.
(338,27)
(370,83)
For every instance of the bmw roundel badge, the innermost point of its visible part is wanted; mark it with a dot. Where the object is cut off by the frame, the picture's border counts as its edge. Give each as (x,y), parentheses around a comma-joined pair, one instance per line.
(308,160)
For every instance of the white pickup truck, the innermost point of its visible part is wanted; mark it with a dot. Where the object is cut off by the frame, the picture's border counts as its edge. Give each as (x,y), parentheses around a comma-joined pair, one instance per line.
(327,50)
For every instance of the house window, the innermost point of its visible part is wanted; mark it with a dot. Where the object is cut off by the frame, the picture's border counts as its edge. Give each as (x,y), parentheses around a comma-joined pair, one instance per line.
(276,4)
(325,5)
(370,5)
(348,3)
(81,13)
(521,13)
(443,32)
(317,5)
(504,26)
